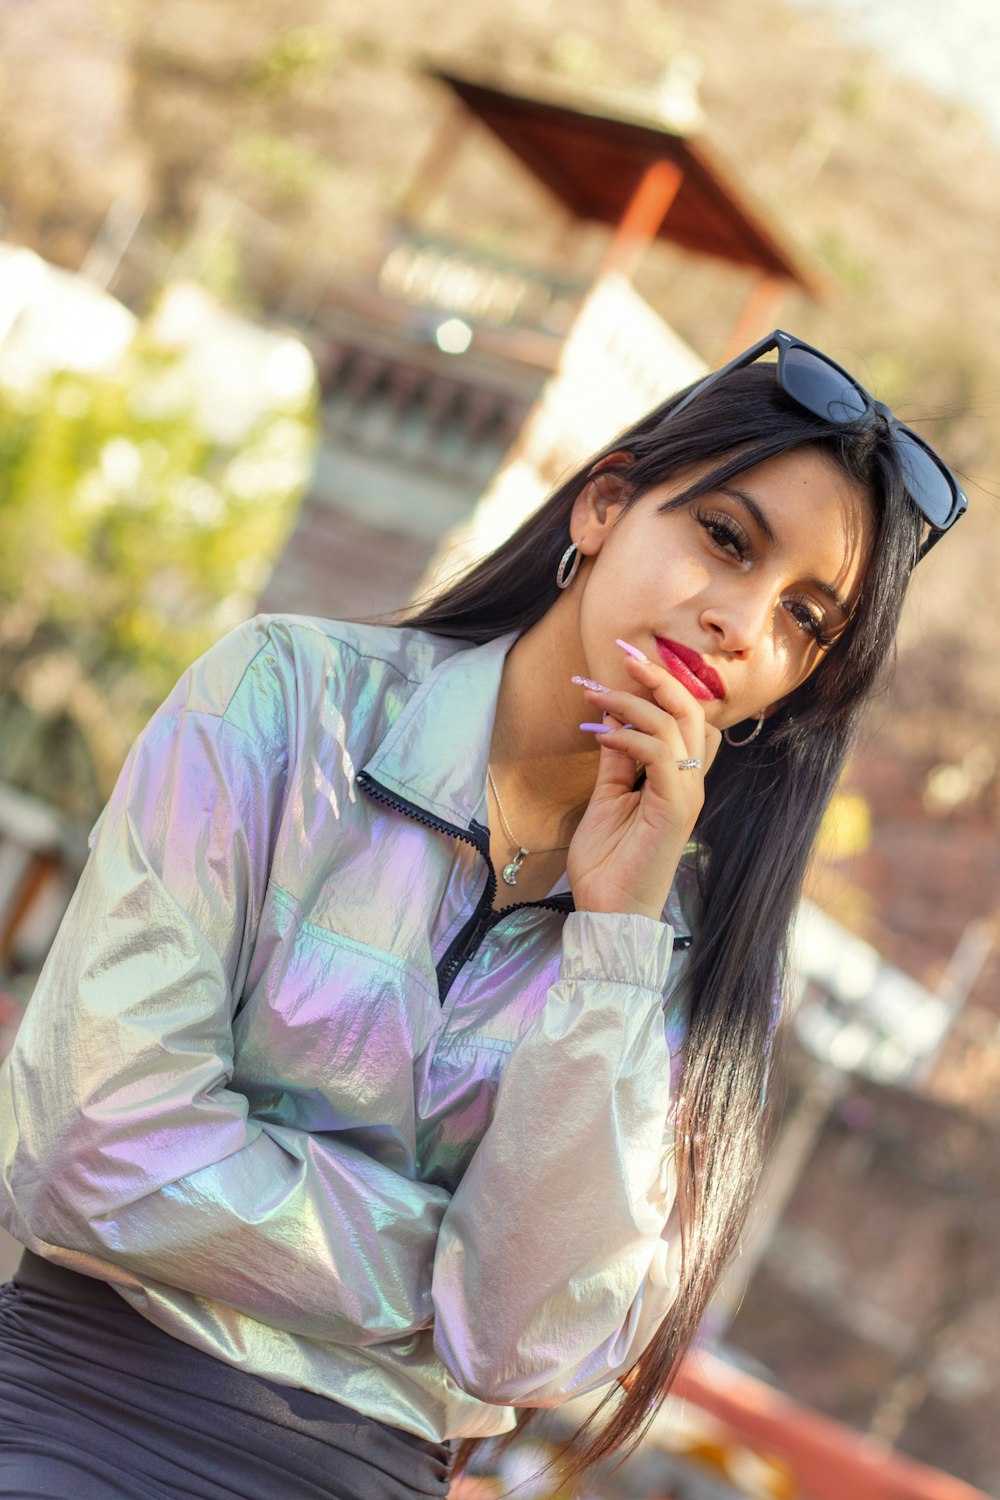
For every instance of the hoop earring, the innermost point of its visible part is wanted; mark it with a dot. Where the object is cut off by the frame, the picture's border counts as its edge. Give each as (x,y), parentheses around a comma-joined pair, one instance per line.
(755,731)
(568,564)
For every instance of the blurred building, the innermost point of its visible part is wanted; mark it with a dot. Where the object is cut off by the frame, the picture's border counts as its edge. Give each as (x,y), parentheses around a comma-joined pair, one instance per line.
(876,1298)
(455,375)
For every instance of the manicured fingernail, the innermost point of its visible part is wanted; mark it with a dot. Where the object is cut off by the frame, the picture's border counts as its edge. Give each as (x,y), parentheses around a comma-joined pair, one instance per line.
(632,651)
(597,728)
(588,682)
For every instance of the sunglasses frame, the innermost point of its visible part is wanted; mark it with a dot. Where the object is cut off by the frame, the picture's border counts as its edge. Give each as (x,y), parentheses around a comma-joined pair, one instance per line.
(785,342)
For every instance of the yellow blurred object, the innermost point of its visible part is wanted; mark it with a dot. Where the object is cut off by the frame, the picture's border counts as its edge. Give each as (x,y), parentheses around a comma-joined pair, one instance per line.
(846,830)
(699,1440)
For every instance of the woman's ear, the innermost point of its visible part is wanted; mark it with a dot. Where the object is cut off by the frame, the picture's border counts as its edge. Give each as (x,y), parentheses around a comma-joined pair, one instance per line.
(599,504)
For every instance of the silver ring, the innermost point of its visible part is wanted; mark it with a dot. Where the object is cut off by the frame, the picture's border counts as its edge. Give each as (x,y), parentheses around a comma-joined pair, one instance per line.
(691,764)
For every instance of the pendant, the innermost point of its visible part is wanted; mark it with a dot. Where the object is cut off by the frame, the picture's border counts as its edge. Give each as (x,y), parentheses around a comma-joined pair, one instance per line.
(510,871)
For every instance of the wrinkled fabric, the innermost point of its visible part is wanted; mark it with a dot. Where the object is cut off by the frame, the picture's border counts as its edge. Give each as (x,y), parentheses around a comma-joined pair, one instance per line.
(97,1404)
(239,1097)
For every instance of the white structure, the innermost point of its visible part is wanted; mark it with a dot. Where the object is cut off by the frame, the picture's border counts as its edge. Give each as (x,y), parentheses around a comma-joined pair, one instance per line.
(856,1011)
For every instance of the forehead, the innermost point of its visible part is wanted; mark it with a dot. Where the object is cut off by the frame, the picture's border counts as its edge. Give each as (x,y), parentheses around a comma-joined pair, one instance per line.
(818,513)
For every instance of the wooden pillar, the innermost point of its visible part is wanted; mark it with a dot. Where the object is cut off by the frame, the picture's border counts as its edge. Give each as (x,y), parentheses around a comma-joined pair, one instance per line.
(759,315)
(436,164)
(646,210)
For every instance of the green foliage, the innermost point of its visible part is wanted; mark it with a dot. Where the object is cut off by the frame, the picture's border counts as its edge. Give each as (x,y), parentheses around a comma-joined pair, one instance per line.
(289,169)
(291,58)
(576,54)
(131,540)
(221,272)
(840,256)
(856,90)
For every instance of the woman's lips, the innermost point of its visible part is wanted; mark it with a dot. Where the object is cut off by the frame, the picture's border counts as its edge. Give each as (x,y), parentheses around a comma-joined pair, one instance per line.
(691,670)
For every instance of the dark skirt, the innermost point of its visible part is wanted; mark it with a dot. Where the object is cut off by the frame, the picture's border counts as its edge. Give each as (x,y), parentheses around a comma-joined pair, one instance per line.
(96,1403)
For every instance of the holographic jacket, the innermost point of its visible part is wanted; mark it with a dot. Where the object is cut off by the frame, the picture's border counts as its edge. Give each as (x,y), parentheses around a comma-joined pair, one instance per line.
(302,1096)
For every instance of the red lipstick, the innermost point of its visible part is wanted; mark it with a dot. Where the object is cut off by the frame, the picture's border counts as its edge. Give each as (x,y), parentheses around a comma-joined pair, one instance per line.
(691,670)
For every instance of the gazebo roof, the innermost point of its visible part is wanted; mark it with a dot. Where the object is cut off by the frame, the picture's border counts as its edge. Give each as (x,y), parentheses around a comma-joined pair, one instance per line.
(593,160)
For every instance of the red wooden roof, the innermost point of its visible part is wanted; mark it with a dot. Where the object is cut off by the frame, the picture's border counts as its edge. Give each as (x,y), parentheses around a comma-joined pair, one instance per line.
(829,1461)
(592,161)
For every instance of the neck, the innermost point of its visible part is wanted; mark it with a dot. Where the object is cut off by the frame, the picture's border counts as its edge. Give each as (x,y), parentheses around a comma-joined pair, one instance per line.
(544,767)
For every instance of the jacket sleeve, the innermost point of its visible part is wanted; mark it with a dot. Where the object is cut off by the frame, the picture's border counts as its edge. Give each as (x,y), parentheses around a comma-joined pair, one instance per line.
(128,1153)
(552,1270)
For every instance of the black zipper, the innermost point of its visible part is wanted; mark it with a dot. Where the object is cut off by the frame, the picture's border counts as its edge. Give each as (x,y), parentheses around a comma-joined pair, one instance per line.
(464,945)
(465,942)
(476,835)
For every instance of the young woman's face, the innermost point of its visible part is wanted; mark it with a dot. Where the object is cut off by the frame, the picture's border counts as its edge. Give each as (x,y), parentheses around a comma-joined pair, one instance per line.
(739,594)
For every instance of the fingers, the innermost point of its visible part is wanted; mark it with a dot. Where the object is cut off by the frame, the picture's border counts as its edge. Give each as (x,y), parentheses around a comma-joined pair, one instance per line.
(650,719)
(671,799)
(665,698)
(616,770)
(669,694)
(632,747)
(658,729)
(628,843)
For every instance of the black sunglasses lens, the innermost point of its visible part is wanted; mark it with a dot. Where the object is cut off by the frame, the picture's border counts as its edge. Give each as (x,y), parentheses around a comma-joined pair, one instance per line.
(820,387)
(927,484)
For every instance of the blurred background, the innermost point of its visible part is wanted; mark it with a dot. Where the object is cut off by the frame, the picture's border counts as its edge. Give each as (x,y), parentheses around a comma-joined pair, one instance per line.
(303,302)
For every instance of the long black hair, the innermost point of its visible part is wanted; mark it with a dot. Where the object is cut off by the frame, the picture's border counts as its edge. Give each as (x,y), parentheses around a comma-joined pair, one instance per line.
(763,802)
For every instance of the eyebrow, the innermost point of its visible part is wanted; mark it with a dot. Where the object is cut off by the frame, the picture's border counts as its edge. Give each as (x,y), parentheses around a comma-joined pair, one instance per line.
(758,516)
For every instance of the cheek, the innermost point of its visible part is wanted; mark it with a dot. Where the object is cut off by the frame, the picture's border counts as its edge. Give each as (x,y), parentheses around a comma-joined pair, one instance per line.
(790,665)
(664,581)
(800,669)
(643,576)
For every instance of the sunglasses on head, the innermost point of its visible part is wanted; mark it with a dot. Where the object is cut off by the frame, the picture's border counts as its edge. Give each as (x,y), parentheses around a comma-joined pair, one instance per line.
(827,390)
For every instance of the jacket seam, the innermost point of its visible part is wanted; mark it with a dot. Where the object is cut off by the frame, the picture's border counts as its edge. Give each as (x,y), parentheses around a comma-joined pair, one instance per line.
(605,979)
(300,622)
(341,941)
(223,712)
(473,1044)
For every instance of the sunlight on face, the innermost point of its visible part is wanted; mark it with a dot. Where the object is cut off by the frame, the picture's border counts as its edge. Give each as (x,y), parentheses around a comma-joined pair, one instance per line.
(754,581)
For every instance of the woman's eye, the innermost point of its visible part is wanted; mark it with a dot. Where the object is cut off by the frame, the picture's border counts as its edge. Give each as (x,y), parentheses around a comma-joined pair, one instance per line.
(809,619)
(726,535)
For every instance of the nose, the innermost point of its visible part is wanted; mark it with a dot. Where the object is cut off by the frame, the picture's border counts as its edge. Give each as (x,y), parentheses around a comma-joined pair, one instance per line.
(738,618)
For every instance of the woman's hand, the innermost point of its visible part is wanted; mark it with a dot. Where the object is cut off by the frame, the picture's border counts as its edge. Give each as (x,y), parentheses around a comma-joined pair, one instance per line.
(628,844)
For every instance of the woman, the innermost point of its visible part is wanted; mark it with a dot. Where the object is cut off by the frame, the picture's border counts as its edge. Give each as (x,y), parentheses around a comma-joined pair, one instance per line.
(342,1121)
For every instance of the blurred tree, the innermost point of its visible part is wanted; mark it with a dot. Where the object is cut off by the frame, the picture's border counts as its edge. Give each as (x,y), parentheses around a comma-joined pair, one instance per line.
(131,540)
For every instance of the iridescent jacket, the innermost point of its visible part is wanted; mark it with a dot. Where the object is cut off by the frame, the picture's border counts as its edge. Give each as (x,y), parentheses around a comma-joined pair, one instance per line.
(302,1096)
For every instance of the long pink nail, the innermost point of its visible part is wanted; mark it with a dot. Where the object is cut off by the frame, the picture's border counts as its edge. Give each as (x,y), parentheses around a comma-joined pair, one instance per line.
(632,651)
(597,728)
(588,682)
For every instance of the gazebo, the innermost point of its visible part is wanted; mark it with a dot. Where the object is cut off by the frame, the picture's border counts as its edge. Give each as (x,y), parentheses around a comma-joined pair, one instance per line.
(453,363)
(646,180)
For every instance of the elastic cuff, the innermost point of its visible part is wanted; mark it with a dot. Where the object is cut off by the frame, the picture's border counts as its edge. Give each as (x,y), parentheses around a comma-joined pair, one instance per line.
(619,947)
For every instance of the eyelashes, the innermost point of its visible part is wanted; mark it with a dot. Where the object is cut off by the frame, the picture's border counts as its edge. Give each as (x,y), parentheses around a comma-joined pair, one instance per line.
(730,538)
(727,534)
(808,620)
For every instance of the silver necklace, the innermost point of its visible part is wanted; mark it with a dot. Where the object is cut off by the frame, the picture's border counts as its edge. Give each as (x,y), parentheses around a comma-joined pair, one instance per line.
(510,871)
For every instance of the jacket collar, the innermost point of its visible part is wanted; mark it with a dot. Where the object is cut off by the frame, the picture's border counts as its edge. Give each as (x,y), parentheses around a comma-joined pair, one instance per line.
(436,754)
(437,751)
